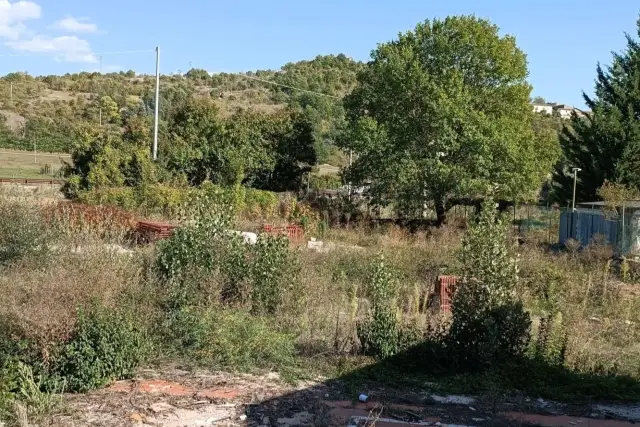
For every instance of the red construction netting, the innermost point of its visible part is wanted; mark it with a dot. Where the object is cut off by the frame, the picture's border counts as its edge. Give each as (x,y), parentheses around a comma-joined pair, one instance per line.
(294,233)
(445,287)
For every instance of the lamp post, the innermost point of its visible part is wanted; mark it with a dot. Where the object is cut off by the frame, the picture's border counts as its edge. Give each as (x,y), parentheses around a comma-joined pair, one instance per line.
(575,183)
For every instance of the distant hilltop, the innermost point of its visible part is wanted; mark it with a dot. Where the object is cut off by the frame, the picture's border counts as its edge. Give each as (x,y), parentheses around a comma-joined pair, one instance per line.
(563,111)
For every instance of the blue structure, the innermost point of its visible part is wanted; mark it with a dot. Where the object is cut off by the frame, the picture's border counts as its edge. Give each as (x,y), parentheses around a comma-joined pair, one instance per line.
(619,227)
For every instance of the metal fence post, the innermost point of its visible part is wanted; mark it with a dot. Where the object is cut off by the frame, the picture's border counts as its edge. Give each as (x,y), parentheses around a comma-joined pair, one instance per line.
(549,227)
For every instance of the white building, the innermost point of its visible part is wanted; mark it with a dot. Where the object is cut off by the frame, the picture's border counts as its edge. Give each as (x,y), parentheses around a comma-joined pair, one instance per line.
(543,108)
(564,111)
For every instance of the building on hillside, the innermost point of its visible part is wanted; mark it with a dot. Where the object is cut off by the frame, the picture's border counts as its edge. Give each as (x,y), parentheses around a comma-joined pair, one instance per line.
(546,108)
(564,111)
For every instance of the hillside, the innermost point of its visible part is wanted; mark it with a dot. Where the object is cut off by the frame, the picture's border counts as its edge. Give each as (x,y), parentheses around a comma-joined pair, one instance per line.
(47,107)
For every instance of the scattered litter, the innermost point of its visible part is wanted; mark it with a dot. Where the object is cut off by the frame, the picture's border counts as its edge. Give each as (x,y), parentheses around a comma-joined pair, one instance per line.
(243,417)
(477,420)
(363,398)
(472,408)
(453,399)
(315,245)
(248,237)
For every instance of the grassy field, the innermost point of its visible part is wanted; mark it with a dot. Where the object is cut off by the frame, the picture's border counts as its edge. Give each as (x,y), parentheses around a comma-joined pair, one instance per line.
(24,164)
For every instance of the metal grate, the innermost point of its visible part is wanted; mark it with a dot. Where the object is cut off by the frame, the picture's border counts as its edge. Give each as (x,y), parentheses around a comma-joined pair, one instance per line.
(294,233)
(445,287)
(154,230)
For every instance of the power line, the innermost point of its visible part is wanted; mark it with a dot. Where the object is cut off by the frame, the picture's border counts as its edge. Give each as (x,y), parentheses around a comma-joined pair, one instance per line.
(124,52)
(287,86)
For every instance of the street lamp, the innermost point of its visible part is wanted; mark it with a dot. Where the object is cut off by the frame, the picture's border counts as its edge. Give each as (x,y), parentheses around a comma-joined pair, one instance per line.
(575,183)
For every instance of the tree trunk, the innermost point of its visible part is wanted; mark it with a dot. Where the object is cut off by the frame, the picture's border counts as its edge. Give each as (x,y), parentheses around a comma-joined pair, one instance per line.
(441,212)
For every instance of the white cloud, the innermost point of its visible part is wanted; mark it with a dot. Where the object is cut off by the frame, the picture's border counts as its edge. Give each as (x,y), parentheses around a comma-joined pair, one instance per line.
(67,48)
(73,25)
(13,15)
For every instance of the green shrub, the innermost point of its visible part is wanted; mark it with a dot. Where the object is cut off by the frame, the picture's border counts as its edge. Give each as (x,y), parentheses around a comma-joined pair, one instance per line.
(235,272)
(260,203)
(124,197)
(23,232)
(193,245)
(550,343)
(273,272)
(325,182)
(232,339)
(489,325)
(31,395)
(105,345)
(380,335)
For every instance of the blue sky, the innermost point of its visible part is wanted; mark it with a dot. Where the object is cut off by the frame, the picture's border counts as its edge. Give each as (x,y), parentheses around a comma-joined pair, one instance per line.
(563,39)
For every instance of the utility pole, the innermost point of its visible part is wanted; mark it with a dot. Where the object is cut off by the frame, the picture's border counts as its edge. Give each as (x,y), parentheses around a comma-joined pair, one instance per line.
(35,153)
(99,97)
(575,183)
(155,120)
(350,162)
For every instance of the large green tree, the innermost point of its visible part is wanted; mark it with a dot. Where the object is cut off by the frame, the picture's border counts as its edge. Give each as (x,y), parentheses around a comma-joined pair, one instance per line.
(442,113)
(605,144)
(108,158)
(268,151)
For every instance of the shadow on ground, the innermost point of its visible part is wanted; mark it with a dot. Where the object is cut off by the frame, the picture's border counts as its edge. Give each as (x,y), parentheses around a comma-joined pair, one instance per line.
(411,389)
(408,389)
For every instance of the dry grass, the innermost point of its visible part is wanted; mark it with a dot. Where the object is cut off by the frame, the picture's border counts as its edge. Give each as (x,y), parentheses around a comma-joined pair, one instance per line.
(25,164)
(599,315)
(43,302)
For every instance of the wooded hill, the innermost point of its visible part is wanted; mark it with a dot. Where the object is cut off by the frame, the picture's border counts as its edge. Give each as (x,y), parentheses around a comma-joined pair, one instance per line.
(51,108)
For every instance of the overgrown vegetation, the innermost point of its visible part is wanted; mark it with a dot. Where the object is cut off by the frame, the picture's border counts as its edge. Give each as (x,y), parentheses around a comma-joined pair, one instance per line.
(83,305)
(94,315)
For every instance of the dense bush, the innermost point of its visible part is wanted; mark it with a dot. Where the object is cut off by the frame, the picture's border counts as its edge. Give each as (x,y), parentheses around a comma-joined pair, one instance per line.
(23,232)
(489,325)
(166,200)
(105,345)
(232,339)
(380,334)
(325,182)
(194,251)
(273,273)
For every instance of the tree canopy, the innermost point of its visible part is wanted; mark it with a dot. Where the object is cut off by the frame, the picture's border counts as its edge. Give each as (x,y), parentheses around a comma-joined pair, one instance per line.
(605,144)
(443,113)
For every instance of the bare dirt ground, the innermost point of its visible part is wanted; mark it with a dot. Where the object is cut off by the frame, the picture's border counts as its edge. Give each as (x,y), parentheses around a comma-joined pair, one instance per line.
(14,120)
(60,95)
(173,397)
